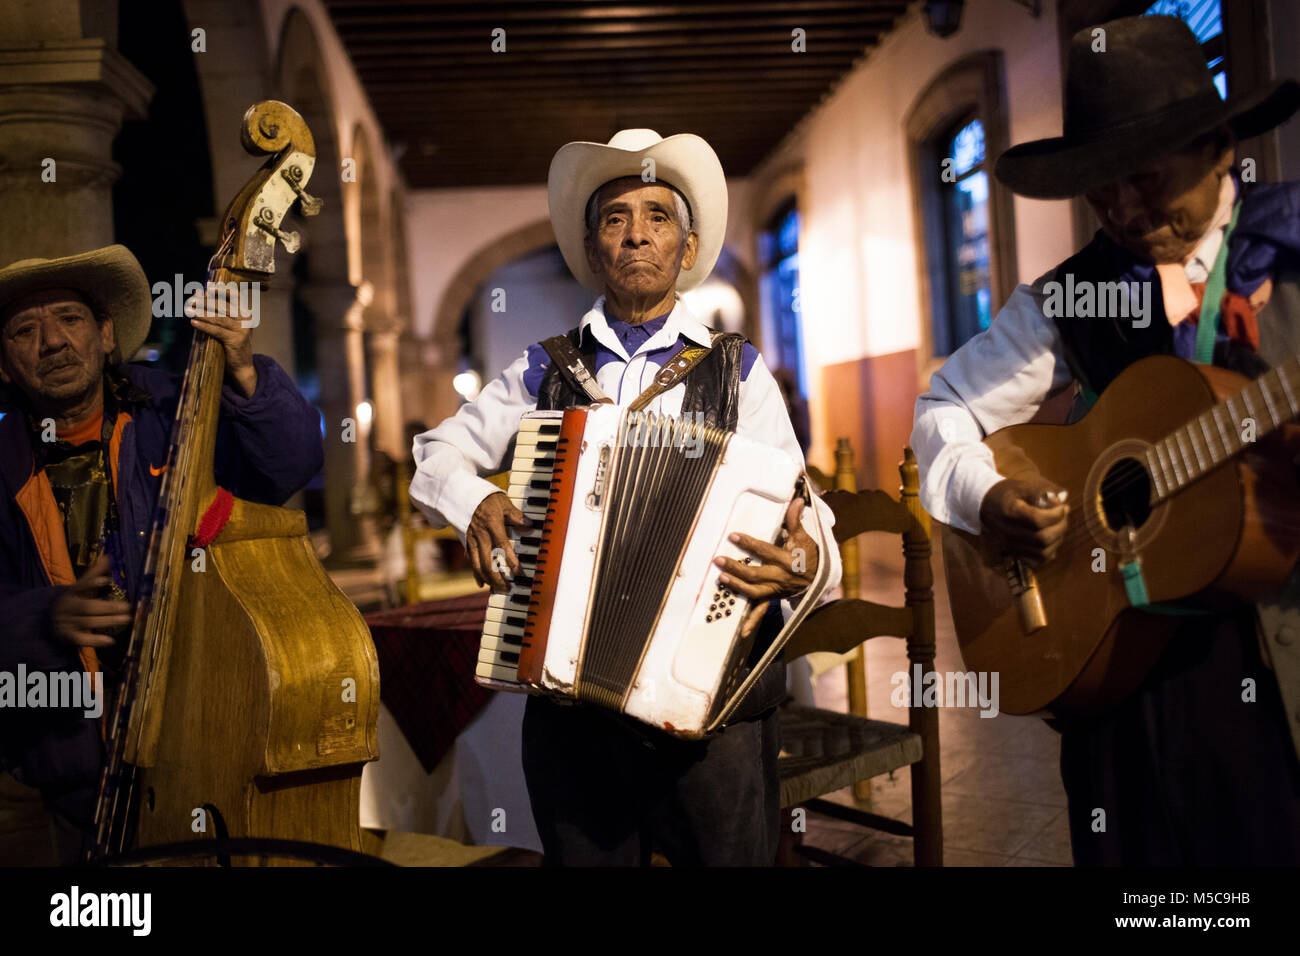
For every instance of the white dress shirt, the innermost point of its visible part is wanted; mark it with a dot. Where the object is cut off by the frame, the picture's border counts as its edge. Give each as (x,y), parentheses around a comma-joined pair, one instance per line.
(1001,377)
(452,457)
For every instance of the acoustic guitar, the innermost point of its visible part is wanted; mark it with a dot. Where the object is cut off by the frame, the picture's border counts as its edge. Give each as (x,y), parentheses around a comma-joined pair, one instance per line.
(1181,486)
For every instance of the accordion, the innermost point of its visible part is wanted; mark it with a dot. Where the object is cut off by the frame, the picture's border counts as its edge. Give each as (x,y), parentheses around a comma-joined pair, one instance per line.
(617,601)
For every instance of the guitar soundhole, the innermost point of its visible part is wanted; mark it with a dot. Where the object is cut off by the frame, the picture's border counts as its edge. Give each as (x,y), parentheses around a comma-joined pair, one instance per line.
(1126,494)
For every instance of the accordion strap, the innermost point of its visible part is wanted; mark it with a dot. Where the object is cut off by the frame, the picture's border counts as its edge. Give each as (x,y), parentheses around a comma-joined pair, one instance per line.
(574,367)
(673,372)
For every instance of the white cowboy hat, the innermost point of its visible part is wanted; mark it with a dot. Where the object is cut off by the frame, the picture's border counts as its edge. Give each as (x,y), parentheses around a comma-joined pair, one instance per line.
(684,161)
(110,277)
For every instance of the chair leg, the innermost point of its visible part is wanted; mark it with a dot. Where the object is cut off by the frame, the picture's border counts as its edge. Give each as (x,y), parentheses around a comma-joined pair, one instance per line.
(927,802)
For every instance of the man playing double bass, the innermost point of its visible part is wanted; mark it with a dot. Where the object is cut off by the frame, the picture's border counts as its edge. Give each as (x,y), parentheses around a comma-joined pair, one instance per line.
(82,451)
(1185,770)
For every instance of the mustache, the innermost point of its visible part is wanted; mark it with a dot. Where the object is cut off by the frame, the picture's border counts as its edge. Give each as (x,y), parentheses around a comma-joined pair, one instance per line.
(62,360)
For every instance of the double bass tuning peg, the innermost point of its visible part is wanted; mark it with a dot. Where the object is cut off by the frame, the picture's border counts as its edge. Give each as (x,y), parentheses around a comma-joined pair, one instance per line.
(309,204)
(266,222)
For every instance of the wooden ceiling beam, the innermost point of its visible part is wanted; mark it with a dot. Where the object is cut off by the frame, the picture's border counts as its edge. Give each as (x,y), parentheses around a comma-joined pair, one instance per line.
(609,47)
(651,73)
(768,26)
(345,14)
(557,81)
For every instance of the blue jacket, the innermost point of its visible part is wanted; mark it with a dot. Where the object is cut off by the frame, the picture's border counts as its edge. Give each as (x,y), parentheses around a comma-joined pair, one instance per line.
(268,446)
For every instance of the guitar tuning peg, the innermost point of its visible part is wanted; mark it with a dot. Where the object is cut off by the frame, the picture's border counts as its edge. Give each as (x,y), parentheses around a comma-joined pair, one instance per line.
(310,205)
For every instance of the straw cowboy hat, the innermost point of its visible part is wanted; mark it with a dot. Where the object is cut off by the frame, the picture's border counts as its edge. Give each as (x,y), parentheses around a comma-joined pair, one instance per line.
(1146,96)
(685,162)
(111,278)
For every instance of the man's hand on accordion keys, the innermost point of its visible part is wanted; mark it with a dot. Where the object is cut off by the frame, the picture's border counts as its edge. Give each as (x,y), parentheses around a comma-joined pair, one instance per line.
(786,569)
(487,533)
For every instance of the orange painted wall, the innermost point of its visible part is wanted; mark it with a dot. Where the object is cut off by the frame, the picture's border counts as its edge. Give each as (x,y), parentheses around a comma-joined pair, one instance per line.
(870,401)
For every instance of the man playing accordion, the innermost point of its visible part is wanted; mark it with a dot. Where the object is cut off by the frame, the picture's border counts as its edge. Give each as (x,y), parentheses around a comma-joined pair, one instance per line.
(640,220)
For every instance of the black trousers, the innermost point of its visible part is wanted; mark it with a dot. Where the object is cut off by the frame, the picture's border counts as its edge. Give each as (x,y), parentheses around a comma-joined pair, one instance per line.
(607,790)
(1186,772)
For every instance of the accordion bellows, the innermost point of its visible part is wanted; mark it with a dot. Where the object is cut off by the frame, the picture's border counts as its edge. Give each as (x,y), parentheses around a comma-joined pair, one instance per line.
(617,602)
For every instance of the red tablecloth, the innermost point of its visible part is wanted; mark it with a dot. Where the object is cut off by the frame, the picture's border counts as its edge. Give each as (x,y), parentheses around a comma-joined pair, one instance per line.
(427,653)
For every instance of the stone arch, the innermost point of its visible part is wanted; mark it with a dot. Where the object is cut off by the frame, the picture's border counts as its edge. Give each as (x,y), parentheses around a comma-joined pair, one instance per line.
(441,400)
(324,290)
(370,254)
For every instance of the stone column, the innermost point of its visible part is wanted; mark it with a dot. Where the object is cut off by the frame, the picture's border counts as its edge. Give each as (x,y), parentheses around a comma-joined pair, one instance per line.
(386,388)
(340,366)
(62,102)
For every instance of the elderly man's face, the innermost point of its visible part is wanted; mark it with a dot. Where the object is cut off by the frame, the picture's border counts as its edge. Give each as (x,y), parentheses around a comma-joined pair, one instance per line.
(1160,213)
(638,246)
(52,348)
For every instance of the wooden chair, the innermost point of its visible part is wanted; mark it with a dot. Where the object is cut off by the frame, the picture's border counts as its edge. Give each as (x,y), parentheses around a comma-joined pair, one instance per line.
(824,751)
(416,587)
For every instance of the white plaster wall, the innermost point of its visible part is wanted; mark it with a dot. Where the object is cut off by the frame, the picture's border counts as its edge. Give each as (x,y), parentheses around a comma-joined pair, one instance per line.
(448,227)
(857,253)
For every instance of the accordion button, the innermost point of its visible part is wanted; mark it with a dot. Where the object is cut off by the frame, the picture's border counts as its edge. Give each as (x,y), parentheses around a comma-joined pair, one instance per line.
(728,612)
(708,618)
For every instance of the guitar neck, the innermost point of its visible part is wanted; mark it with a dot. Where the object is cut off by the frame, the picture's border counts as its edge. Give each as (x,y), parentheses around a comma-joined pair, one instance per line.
(1224,431)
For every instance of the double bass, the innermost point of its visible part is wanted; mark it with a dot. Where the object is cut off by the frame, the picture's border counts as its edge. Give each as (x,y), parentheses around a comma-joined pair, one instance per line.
(250,696)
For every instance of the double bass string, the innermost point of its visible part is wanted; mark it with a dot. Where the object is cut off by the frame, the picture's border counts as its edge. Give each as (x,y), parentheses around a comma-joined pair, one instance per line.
(118,781)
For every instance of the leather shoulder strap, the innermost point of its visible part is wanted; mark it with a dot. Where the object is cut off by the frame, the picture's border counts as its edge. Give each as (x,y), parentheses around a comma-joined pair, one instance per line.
(574,368)
(672,373)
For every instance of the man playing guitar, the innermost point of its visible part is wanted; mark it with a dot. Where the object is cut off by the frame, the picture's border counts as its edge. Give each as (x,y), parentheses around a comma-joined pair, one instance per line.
(1186,770)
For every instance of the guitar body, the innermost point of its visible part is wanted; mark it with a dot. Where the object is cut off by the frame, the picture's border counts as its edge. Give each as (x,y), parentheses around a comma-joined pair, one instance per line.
(1234,531)
(272,695)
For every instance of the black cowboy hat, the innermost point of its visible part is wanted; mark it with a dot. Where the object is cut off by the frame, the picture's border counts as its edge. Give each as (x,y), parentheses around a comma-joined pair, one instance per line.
(1145,94)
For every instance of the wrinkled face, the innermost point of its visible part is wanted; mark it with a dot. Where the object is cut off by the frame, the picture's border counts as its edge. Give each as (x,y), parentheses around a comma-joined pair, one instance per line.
(1159,213)
(52,348)
(640,244)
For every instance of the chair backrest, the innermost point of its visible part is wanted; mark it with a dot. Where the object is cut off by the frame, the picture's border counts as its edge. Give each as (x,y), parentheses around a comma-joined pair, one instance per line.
(842,625)
(415,529)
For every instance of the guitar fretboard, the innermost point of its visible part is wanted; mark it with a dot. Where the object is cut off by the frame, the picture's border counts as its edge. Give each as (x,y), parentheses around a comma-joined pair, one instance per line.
(1224,430)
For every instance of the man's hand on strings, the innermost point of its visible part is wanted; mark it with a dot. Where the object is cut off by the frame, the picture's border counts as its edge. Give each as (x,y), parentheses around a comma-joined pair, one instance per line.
(77,612)
(1026,519)
(218,315)
(486,533)
(784,569)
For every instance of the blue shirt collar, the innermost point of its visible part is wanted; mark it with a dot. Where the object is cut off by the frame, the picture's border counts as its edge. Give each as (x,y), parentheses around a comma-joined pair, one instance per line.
(679,322)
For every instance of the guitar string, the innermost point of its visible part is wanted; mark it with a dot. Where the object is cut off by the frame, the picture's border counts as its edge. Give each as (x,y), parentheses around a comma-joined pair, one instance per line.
(1094,526)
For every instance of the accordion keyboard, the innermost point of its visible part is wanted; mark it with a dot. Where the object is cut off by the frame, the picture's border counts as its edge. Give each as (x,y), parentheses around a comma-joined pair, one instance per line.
(530,482)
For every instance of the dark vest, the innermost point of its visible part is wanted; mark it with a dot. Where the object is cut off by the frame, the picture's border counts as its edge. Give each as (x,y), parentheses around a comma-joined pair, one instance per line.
(712,387)
(1098,349)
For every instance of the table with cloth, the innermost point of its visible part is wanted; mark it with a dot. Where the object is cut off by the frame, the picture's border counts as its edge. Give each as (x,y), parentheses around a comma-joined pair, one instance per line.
(449,749)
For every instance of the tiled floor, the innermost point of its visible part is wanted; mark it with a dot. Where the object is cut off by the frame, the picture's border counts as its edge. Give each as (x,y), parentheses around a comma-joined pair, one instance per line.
(1003,803)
